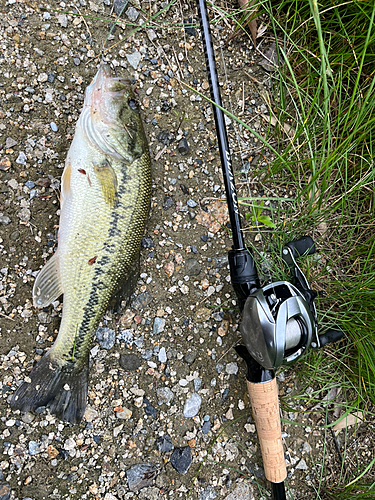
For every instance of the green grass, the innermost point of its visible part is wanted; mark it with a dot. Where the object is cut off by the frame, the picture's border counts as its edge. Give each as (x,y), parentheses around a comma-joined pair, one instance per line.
(326,92)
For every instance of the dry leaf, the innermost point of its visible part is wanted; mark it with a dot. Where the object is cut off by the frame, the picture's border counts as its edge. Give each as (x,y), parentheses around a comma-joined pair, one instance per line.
(252,24)
(274,121)
(322,228)
(261,30)
(271,59)
(247,20)
(349,420)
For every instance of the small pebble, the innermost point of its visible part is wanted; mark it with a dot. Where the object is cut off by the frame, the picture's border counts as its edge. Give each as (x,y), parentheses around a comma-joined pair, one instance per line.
(9,143)
(159,325)
(132,14)
(142,301)
(5,491)
(105,337)
(151,35)
(125,414)
(21,159)
(219,368)
(69,444)
(166,138)
(141,476)
(129,362)
(192,406)
(134,59)
(181,459)
(208,494)
(34,448)
(119,6)
(231,368)
(168,203)
(183,146)
(4,219)
(164,444)
(206,427)
(162,355)
(242,491)
(190,356)
(218,316)
(197,384)
(90,414)
(164,395)
(192,267)
(53,126)
(301,465)
(148,408)
(191,203)
(147,242)
(63,20)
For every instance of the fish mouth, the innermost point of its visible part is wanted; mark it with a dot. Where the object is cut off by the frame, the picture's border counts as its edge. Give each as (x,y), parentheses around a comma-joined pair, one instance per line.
(107,79)
(106,71)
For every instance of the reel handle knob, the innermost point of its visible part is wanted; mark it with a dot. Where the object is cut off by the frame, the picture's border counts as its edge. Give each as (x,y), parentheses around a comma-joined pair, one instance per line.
(330,336)
(304,245)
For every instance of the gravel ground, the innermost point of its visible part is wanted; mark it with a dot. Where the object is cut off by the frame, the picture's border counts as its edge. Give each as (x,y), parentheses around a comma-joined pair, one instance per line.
(168,414)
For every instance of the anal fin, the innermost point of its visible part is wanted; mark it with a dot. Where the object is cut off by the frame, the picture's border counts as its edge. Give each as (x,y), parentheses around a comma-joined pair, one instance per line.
(125,287)
(47,286)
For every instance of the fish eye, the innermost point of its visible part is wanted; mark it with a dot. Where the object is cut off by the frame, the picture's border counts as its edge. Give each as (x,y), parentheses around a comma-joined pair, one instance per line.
(132,104)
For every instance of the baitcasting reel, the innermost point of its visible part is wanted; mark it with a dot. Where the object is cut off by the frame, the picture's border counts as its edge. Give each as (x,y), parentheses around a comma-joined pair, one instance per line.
(279,320)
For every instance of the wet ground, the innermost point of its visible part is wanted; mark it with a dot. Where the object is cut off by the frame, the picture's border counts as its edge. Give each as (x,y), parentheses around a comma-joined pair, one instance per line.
(168,415)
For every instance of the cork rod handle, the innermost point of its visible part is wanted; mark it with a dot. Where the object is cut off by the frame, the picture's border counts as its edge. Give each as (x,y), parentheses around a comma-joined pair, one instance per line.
(264,401)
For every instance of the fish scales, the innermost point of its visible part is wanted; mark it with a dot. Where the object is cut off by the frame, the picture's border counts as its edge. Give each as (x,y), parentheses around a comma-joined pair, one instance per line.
(105,197)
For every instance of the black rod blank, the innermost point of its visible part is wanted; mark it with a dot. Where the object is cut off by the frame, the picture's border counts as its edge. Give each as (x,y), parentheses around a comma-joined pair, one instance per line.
(243,271)
(231,194)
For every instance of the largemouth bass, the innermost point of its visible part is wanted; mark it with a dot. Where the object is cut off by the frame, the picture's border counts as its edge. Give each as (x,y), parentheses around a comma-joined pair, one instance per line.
(105,197)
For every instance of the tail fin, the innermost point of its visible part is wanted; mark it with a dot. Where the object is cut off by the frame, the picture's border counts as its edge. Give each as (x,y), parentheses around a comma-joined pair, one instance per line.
(62,388)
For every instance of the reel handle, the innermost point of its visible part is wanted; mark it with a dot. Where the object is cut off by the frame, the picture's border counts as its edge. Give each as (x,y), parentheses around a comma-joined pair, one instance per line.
(264,401)
(302,246)
(330,336)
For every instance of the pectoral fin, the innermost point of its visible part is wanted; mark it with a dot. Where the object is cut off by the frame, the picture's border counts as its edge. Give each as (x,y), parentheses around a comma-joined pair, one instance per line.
(65,182)
(47,286)
(107,179)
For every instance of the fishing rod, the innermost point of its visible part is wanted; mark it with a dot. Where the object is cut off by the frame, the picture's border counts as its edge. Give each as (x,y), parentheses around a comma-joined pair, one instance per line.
(279,321)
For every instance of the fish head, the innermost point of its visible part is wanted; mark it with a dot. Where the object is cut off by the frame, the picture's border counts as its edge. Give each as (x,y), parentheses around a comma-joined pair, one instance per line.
(113,124)
(107,95)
